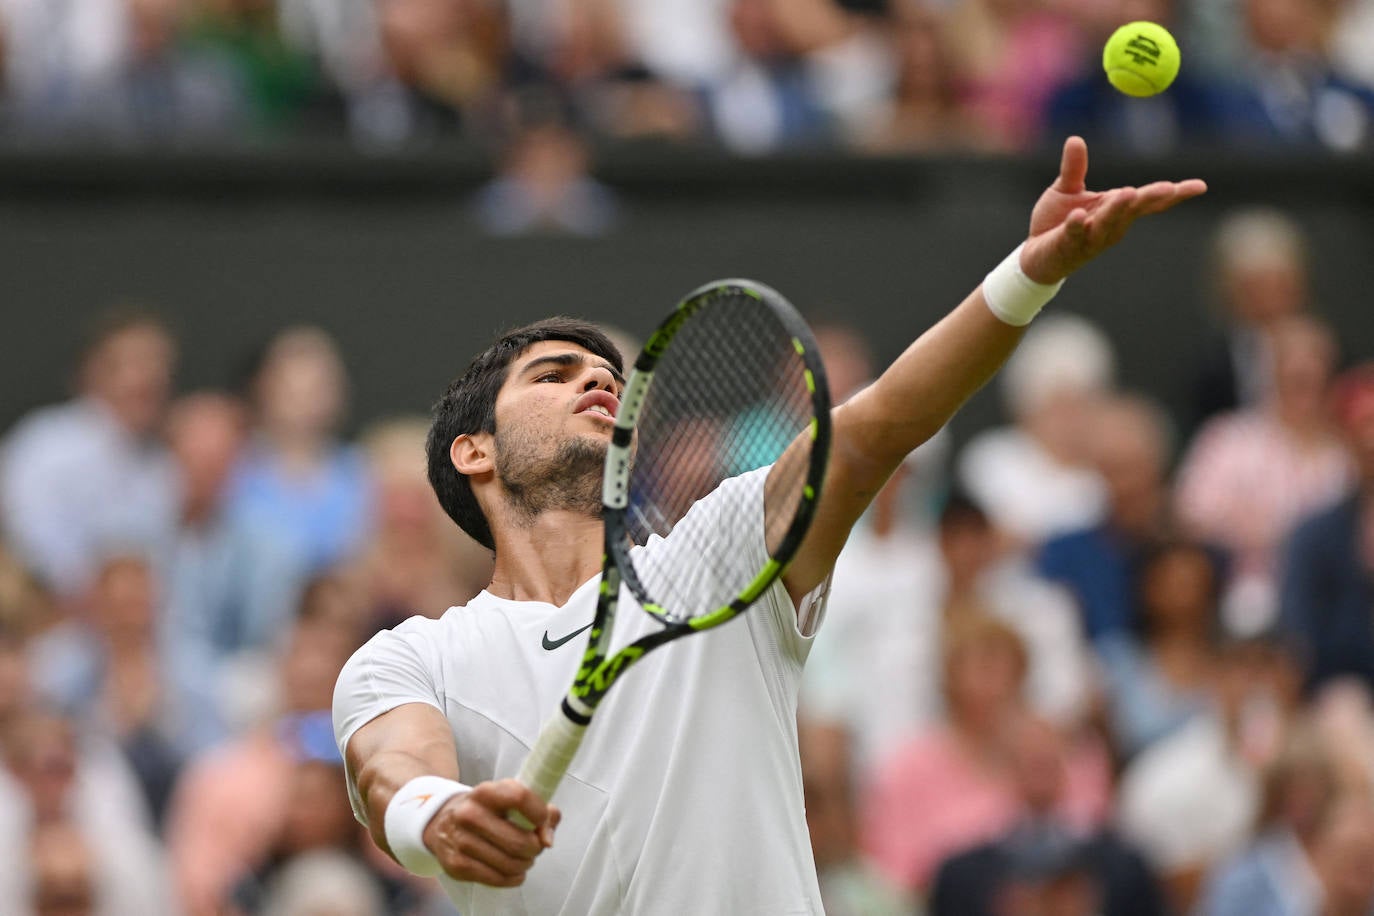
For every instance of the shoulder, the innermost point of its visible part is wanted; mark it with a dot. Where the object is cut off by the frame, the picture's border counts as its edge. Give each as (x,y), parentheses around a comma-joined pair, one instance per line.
(58,424)
(1337,521)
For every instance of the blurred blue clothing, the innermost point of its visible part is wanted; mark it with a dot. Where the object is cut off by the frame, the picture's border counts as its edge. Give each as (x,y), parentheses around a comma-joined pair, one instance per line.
(1192,112)
(76,486)
(1327,593)
(1143,706)
(1271,878)
(1099,566)
(319,520)
(225,593)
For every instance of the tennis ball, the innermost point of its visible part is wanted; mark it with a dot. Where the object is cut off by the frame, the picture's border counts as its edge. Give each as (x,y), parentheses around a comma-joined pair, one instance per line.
(1141,58)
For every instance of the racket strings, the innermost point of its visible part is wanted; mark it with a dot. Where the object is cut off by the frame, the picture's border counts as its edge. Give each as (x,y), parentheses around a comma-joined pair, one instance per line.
(729,396)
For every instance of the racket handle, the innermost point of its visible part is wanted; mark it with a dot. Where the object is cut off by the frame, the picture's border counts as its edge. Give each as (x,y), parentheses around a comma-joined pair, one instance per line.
(543,769)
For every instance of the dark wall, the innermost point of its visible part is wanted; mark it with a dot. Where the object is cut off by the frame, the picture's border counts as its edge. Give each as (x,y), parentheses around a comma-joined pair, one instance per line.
(385,254)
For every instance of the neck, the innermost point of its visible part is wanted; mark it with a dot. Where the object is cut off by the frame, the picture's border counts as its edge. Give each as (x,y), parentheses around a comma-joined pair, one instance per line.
(546,559)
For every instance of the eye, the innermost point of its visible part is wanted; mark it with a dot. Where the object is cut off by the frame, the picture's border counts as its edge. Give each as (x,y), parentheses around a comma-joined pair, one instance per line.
(549,377)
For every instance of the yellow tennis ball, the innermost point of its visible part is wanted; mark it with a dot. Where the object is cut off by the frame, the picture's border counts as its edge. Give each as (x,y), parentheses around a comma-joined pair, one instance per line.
(1141,58)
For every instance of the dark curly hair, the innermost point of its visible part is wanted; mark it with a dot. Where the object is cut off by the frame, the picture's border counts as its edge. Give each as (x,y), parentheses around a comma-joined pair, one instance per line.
(469,406)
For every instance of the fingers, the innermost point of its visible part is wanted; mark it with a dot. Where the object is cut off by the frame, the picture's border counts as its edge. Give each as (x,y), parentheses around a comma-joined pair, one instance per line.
(513,795)
(1073,167)
(474,840)
(545,830)
(1160,196)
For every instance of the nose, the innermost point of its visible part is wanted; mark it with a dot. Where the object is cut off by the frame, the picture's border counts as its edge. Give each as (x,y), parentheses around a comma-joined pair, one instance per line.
(599,377)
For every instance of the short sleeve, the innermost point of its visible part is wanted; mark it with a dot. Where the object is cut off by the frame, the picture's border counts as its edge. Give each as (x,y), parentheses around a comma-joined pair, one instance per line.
(390,670)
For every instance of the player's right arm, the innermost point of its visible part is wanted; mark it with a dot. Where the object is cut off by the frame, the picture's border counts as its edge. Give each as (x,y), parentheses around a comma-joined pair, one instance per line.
(471,836)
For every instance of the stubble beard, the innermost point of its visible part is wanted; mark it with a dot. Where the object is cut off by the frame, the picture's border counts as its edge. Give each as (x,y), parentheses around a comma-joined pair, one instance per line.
(535,482)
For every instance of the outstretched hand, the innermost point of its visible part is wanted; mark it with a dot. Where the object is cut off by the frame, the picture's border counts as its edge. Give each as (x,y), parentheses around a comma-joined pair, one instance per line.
(1071,225)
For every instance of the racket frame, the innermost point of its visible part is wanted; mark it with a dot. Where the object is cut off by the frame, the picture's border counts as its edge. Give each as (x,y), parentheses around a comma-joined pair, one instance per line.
(562,734)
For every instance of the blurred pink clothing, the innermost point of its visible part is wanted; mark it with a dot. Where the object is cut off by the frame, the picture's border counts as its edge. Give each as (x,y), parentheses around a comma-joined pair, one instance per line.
(1246,481)
(930,801)
(1041,51)
(227,813)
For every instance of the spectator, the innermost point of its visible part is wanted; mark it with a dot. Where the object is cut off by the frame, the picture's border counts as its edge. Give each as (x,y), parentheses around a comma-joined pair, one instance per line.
(896,600)
(850,885)
(132,704)
(231,804)
(61,872)
(1274,876)
(1308,104)
(1190,800)
(978,579)
(168,91)
(1259,264)
(1251,475)
(924,113)
(318,821)
(1328,579)
(1100,563)
(1344,858)
(951,787)
(1201,109)
(877,624)
(1158,682)
(320,883)
(219,577)
(53,776)
(299,493)
(1034,477)
(60,59)
(1008,58)
(1041,846)
(767,99)
(84,478)
(441,64)
(543,186)
(283,88)
(416,562)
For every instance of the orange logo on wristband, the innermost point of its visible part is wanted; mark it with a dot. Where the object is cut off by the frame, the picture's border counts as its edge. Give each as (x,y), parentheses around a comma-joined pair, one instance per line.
(422,798)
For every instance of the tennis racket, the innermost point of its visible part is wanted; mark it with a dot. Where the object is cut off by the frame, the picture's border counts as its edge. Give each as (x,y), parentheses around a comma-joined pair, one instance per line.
(730,382)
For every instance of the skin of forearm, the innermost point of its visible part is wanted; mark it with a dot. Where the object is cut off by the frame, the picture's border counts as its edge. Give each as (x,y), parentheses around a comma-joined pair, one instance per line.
(385,772)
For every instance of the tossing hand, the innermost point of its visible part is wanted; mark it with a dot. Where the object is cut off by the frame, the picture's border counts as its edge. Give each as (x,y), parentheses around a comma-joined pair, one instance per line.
(1071,225)
(473,839)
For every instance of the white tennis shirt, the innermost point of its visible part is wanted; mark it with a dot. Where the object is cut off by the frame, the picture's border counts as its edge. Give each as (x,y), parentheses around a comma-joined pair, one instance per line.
(686,795)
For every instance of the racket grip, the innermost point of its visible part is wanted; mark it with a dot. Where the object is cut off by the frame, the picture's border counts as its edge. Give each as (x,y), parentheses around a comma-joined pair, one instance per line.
(543,769)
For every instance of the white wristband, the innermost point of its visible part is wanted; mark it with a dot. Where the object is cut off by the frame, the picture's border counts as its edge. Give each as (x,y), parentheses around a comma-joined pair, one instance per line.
(1011,295)
(409,813)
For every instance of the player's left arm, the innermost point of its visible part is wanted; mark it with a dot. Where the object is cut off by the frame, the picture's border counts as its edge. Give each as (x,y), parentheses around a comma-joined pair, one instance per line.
(874,430)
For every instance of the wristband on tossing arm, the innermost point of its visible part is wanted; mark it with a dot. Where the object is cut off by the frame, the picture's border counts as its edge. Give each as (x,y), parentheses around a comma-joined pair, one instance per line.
(409,813)
(1014,297)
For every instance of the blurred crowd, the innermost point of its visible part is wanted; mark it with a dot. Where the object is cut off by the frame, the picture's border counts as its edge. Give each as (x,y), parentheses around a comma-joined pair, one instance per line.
(1108,659)
(752,76)
(1105,660)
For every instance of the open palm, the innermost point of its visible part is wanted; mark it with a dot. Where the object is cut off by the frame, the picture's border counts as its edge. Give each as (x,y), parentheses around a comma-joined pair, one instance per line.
(1071,225)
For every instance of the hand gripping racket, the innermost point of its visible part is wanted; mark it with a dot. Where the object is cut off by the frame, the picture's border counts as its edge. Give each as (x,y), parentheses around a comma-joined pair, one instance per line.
(730,382)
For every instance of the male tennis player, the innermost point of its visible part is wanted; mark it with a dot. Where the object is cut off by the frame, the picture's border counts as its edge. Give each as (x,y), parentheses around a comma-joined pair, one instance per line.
(686,794)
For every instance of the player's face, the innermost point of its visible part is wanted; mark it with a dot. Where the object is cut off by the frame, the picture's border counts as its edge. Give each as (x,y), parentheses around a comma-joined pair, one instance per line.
(554,418)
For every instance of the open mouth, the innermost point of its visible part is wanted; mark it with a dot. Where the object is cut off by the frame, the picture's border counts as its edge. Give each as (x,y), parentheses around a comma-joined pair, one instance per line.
(599,403)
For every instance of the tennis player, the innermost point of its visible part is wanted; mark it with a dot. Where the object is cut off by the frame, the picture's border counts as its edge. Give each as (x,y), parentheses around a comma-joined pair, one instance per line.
(686,795)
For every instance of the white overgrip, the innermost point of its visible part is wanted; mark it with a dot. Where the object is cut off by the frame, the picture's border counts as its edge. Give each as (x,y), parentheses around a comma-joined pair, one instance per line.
(549,758)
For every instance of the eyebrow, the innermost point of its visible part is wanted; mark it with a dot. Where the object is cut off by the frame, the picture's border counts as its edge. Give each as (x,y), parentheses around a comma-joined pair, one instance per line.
(566,360)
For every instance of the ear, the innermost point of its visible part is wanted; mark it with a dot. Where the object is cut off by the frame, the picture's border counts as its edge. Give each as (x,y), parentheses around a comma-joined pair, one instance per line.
(472,454)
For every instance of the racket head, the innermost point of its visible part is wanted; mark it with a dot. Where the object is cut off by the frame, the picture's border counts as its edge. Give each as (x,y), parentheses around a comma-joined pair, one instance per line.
(730,383)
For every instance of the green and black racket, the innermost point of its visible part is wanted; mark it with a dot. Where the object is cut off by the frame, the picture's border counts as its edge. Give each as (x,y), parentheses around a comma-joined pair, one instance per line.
(729,383)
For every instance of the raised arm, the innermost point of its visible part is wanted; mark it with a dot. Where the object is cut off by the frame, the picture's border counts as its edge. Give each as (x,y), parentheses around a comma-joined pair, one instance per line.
(468,836)
(921,390)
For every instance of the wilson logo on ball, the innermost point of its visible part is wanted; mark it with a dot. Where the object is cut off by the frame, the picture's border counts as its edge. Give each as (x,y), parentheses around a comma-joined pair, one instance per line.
(1142,50)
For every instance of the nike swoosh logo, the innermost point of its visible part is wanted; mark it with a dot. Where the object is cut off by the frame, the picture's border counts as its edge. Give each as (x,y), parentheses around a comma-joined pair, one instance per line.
(552,644)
